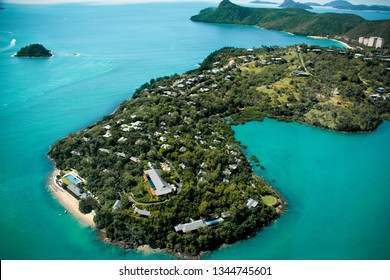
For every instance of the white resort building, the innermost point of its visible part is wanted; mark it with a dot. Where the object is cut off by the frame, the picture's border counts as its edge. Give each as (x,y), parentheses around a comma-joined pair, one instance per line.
(373,42)
(193,225)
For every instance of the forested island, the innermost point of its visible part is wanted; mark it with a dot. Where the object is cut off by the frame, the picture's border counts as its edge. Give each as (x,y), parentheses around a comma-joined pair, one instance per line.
(345,5)
(165,169)
(313,4)
(297,21)
(291,4)
(34,50)
(262,2)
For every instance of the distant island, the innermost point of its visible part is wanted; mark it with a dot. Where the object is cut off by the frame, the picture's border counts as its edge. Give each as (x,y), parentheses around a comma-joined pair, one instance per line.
(338,4)
(164,170)
(345,5)
(313,4)
(262,2)
(294,5)
(297,21)
(34,50)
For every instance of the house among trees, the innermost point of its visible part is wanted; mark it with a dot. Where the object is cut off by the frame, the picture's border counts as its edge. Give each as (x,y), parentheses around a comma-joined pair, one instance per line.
(135,159)
(380,90)
(193,225)
(117,204)
(104,150)
(157,185)
(297,73)
(143,212)
(375,97)
(251,203)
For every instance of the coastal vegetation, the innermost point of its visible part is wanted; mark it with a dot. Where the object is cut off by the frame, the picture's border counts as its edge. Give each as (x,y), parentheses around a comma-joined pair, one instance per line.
(181,124)
(297,21)
(34,50)
(86,205)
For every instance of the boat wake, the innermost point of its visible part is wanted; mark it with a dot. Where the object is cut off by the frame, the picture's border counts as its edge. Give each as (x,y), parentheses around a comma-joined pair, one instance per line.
(11,45)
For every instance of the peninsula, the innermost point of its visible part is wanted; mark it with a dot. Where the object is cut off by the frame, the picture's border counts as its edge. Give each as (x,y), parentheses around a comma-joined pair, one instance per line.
(165,170)
(34,50)
(297,21)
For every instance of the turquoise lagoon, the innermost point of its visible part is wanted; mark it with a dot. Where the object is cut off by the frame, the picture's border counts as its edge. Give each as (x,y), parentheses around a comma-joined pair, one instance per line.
(337,186)
(102,54)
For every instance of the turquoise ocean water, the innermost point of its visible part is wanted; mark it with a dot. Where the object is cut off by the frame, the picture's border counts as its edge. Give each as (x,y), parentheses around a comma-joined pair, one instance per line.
(119,48)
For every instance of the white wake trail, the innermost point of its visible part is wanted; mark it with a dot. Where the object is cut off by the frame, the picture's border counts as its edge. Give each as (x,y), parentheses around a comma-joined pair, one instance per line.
(11,45)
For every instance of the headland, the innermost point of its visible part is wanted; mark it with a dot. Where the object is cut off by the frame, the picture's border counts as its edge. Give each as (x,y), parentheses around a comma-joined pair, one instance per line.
(165,170)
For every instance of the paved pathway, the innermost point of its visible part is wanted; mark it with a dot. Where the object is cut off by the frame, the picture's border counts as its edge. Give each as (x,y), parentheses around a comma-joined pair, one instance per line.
(131,198)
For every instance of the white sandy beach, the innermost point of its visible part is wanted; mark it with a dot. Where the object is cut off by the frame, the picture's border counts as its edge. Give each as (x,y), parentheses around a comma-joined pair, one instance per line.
(70,203)
(341,42)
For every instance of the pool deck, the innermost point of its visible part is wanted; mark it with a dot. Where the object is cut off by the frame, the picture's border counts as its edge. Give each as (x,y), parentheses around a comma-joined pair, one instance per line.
(74,178)
(70,203)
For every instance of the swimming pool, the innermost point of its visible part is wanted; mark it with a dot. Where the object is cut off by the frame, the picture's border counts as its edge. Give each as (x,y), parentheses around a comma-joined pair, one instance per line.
(214,222)
(72,178)
(151,184)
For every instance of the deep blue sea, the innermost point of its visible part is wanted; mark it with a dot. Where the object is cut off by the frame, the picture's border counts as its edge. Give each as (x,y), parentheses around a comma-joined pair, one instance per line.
(118,49)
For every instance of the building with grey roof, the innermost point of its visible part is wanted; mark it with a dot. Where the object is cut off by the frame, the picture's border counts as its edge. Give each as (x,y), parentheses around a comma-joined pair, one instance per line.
(159,186)
(117,204)
(134,159)
(120,154)
(142,212)
(193,225)
(104,150)
(75,191)
(251,203)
